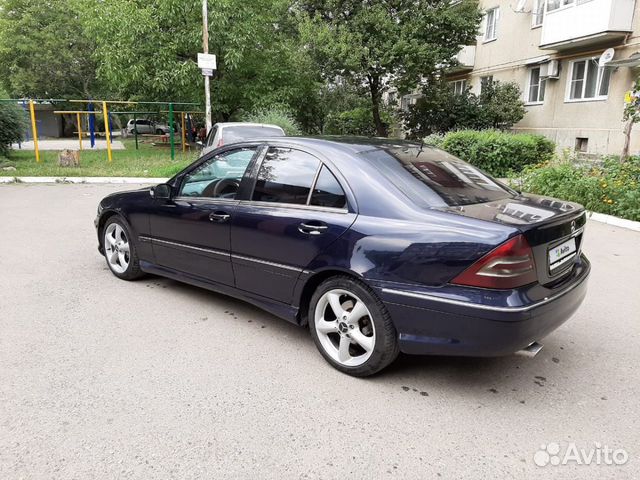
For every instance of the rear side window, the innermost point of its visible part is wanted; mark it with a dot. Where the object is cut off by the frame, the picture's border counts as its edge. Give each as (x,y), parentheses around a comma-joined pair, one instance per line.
(327,192)
(285,176)
(433,178)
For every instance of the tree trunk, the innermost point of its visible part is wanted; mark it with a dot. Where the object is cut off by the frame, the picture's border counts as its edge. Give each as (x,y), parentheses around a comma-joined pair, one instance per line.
(627,141)
(374,87)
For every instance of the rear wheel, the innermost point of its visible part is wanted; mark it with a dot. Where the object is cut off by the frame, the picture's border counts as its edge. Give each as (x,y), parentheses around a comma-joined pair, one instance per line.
(119,250)
(351,327)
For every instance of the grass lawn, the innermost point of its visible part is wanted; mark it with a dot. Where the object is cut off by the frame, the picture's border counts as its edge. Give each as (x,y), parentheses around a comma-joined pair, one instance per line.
(148,161)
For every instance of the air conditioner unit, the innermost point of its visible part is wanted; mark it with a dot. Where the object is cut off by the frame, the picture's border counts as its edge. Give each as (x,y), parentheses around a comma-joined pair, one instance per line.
(550,70)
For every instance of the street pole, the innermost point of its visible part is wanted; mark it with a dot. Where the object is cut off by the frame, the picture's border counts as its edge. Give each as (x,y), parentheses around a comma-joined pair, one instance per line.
(205,47)
(171,134)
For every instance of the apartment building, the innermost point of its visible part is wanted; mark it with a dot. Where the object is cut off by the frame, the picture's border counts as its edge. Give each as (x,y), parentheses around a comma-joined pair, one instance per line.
(554,50)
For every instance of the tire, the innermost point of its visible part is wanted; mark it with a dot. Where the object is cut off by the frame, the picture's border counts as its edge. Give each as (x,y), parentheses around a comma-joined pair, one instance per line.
(359,346)
(159,132)
(119,250)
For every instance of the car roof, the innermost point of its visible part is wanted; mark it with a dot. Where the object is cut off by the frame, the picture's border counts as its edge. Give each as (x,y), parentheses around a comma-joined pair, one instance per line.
(246,124)
(346,144)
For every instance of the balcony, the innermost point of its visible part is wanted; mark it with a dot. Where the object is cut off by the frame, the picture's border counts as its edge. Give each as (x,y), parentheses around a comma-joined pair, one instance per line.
(585,23)
(466,59)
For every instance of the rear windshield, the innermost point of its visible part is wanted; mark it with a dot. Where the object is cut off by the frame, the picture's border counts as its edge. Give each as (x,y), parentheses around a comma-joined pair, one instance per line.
(432,178)
(236,134)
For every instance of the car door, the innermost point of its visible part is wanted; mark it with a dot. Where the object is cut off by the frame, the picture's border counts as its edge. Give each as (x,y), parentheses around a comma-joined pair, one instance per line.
(296,209)
(190,232)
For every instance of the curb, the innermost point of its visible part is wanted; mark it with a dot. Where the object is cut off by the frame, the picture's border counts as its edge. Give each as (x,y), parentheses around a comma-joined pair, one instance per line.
(95,180)
(614,221)
(598,217)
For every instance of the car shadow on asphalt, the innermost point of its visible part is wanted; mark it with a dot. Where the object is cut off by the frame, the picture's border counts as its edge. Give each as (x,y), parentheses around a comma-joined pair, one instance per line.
(511,373)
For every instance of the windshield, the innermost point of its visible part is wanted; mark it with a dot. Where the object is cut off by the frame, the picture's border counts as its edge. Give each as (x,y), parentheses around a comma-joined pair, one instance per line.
(240,132)
(432,178)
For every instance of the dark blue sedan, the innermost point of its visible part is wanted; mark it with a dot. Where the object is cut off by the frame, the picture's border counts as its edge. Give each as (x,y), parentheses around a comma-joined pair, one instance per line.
(380,247)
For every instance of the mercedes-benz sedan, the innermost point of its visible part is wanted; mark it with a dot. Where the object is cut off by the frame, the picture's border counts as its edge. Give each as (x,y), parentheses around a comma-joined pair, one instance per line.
(379,247)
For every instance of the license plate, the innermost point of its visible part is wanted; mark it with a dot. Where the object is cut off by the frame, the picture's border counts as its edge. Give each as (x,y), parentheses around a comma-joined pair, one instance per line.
(562,253)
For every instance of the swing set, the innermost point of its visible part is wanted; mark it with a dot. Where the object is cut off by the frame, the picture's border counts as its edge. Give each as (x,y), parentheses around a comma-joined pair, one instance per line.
(91,113)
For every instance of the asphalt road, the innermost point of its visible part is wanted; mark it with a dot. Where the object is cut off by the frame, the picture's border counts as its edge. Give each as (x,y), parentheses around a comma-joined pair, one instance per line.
(101,378)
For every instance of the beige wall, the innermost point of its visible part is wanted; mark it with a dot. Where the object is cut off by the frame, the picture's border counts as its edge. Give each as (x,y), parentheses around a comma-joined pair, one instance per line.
(506,59)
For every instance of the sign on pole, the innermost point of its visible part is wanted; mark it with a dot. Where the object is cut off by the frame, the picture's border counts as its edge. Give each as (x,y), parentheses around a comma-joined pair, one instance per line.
(207,63)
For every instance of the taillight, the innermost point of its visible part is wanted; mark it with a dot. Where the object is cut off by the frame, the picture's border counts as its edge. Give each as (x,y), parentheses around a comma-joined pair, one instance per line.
(220,142)
(510,265)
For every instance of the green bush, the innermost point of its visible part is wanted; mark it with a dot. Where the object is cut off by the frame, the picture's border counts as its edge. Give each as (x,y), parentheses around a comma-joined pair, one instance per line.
(358,121)
(440,110)
(275,115)
(12,126)
(496,152)
(612,187)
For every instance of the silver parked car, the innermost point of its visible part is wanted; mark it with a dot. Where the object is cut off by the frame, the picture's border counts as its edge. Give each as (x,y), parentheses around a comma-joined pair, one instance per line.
(149,127)
(231,132)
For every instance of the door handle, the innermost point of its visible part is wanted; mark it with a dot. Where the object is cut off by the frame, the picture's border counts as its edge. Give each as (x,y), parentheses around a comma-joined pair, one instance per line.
(312,229)
(219,217)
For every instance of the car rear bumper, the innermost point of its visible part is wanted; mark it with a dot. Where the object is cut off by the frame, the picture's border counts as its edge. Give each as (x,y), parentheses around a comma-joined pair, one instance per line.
(490,324)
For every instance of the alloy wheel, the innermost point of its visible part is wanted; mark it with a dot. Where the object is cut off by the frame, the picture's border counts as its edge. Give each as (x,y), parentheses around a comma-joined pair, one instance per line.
(116,247)
(344,327)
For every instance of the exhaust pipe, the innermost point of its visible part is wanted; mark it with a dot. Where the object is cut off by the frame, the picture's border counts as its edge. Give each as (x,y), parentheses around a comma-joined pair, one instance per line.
(531,350)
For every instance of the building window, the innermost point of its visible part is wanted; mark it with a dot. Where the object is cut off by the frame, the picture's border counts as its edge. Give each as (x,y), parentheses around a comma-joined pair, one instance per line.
(537,86)
(588,81)
(556,4)
(458,87)
(537,13)
(408,100)
(582,144)
(491,24)
(485,82)
(391,98)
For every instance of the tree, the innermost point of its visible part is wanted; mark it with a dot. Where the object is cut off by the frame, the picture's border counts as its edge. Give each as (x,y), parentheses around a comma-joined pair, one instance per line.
(501,105)
(389,42)
(12,125)
(147,50)
(631,116)
(440,110)
(44,51)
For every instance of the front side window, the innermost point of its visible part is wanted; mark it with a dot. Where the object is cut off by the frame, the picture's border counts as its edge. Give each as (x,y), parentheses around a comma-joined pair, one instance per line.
(285,176)
(537,86)
(588,81)
(218,177)
(458,87)
(491,24)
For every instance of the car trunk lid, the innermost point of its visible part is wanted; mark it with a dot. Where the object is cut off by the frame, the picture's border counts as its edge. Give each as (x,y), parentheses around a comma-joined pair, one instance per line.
(553,229)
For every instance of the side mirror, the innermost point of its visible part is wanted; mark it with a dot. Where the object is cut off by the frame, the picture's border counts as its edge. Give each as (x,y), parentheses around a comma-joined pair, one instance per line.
(161,192)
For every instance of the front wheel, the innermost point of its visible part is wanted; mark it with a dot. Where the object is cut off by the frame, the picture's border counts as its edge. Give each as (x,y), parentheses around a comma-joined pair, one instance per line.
(351,327)
(119,250)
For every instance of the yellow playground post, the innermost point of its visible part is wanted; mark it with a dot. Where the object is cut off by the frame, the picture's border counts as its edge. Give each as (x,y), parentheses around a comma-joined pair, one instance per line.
(105,114)
(79,129)
(34,130)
